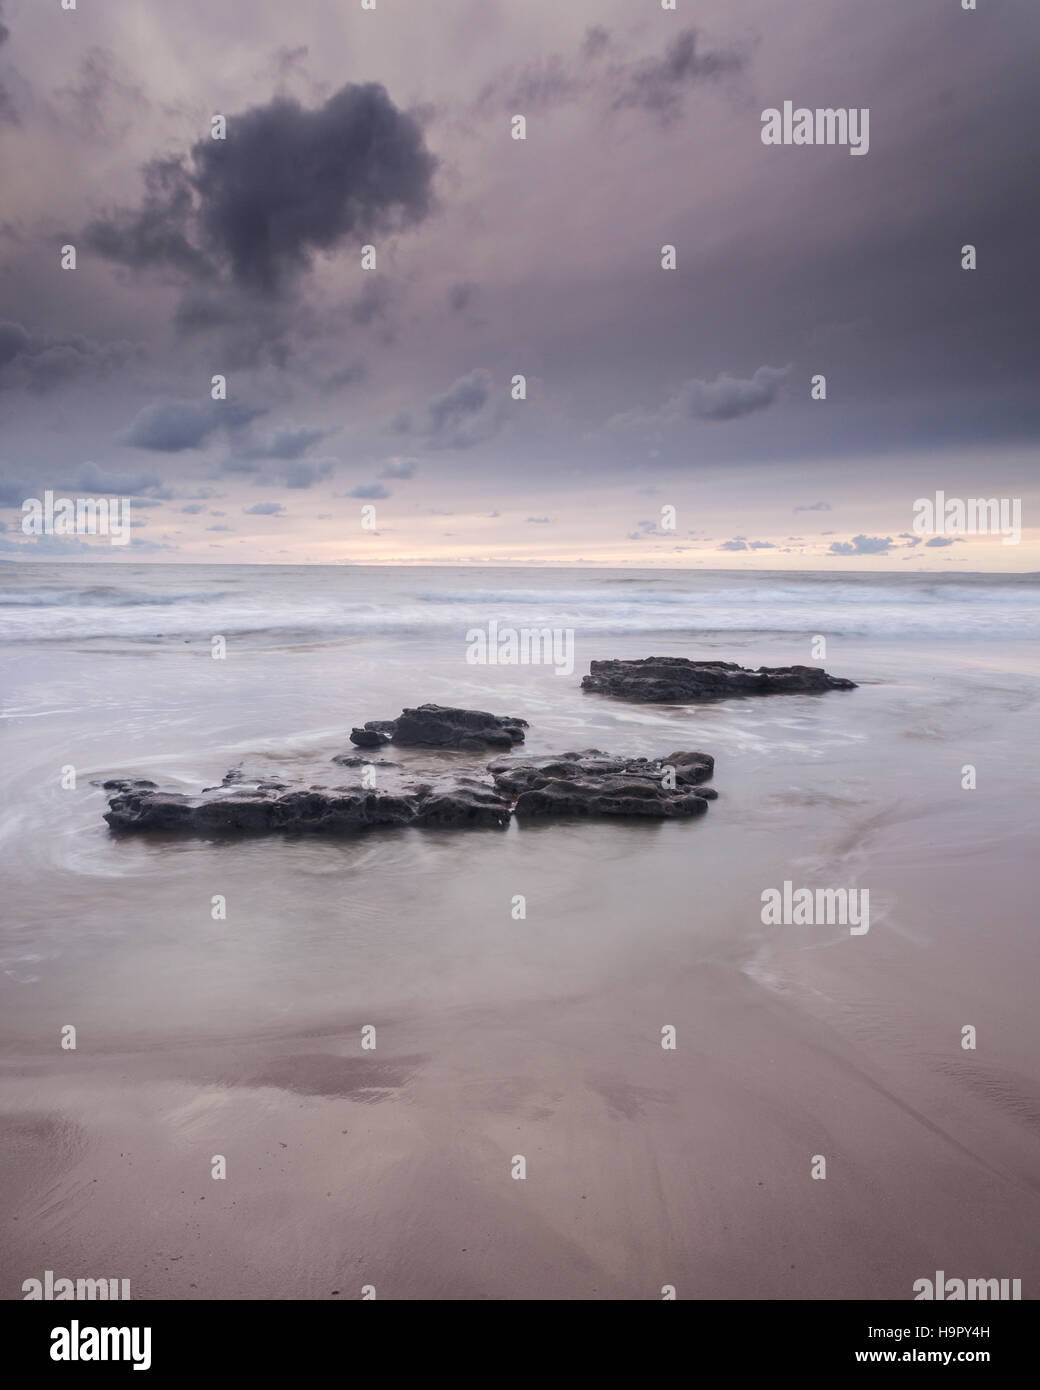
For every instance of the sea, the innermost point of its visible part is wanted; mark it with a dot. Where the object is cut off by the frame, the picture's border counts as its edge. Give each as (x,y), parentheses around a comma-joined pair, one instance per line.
(919,785)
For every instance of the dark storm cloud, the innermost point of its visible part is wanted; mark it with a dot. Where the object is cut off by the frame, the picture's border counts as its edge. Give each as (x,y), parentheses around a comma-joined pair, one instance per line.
(862,545)
(468,413)
(287,182)
(41,361)
(658,85)
(169,427)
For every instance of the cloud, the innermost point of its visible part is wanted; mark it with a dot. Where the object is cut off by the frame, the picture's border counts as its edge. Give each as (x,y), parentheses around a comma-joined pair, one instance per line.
(42,361)
(727,397)
(944,540)
(399,468)
(352,373)
(193,508)
(7,108)
(761,545)
(220,528)
(370,490)
(538,520)
(464,415)
(13,492)
(287,443)
(658,85)
(862,545)
(816,507)
(733,545)
(373,301)
(264,509)
(136,543)
(171,426)
(93,479)
(303,473)
(102,83)
(462,296)
(287,182)
(595,42)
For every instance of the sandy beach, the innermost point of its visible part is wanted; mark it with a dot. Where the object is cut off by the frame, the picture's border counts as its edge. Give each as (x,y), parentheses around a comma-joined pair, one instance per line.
(646,1167)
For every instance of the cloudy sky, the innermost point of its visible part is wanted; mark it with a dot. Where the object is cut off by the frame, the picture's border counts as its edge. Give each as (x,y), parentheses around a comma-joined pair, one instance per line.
(392,387)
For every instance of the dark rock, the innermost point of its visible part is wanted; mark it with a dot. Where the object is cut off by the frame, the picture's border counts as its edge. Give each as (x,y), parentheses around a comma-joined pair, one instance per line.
(319,810)
(468,805)
(125,784)
(691,768)
(269,808)
(439,726)
(674,680)
(278,796)
(356,760)
(608,796)
(368,738)
(595,784)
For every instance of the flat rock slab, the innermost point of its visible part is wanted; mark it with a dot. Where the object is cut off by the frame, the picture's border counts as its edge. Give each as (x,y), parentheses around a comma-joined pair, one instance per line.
(591,783)
(673,680)
(440,726)
(594,783)
(465,803)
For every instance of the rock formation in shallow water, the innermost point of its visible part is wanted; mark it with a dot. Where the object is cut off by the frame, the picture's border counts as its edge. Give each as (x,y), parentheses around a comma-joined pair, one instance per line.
(675,680)
(439,726)
(592,783)
(253,810)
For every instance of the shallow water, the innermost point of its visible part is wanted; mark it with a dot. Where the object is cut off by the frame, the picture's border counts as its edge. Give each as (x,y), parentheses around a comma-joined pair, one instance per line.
(114,676)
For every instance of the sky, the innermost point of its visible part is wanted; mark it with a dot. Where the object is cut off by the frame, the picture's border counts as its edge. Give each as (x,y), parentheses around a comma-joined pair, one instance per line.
(373,413)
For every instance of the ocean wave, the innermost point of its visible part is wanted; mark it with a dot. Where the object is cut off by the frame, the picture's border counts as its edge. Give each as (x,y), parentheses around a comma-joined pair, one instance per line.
(323,604)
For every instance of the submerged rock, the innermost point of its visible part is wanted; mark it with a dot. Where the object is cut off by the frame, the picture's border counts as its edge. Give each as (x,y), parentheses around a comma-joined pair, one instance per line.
(440,726)
(675,680)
